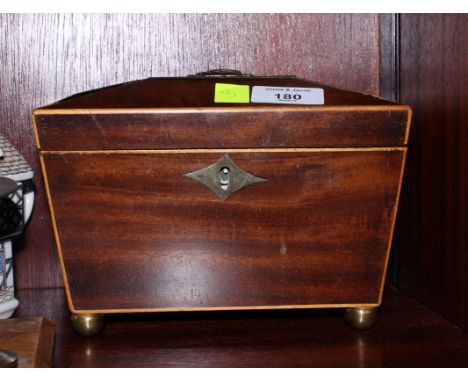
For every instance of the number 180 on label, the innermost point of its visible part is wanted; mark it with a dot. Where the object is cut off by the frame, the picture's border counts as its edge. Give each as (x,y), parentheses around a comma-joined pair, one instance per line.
(301,96)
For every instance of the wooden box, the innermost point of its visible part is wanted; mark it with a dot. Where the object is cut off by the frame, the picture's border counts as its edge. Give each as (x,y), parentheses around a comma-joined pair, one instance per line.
(163,200)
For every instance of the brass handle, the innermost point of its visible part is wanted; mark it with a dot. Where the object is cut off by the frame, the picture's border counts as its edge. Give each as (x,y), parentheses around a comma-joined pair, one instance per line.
(234,73)
(221,73)
(224,177)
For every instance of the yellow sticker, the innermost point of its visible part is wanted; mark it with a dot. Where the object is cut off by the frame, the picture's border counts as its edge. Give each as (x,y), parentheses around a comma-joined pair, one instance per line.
(229,93)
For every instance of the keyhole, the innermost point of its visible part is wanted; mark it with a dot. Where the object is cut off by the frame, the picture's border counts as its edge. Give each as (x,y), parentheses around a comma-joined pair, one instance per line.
(224,178)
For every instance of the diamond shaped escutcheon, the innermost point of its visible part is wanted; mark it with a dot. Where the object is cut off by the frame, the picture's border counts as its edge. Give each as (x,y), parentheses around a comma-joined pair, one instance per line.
(224,177)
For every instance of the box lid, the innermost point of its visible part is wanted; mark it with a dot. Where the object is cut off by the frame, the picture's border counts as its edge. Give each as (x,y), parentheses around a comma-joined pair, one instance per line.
(181,113)
(199,92)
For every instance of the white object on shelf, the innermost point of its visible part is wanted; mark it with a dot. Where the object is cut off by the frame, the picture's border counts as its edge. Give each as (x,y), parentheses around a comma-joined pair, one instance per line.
(13,166)
(8,307)
(8,302)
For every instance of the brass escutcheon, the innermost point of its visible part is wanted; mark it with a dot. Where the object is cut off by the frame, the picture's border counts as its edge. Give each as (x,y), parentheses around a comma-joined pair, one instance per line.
(224,177)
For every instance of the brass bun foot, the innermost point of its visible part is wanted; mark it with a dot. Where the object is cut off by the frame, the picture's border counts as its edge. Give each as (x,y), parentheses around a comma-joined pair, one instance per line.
(87,324)
(361,318)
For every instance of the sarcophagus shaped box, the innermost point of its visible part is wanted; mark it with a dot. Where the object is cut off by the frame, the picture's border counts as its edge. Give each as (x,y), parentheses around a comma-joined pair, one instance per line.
(211,193)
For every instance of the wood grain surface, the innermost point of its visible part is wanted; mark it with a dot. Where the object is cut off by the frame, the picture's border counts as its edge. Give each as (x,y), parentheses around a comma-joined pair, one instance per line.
(406,335)
(273,127)
(46,57)
(31,338)
(389,34)
(198,92)
(433,220)
(135,234)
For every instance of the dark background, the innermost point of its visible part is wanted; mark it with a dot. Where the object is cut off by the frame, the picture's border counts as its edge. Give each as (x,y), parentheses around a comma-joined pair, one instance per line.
(421,60)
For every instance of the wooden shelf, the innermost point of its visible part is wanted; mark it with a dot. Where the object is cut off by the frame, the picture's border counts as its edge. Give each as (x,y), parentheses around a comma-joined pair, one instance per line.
(32,339)
(407,335)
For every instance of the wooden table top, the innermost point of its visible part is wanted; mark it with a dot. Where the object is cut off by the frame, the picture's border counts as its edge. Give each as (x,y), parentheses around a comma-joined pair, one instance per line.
(31,339)
(407,335)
